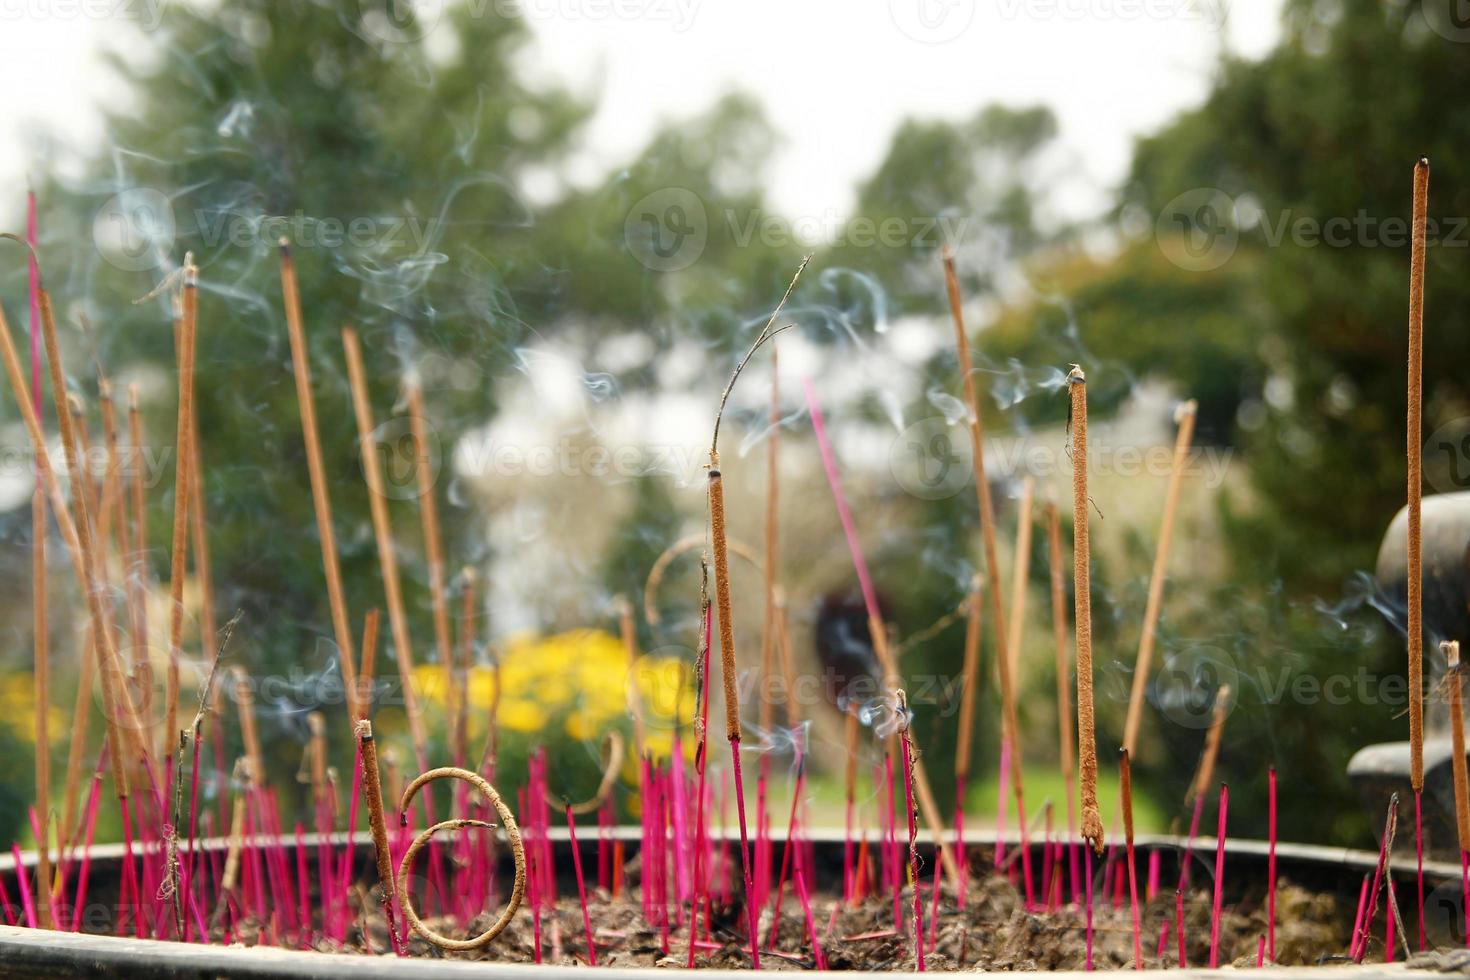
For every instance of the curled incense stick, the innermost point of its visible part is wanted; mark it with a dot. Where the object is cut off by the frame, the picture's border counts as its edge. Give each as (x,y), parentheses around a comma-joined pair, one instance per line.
(320,492)
(1184,415)
(655,580)
(512,834)
(372,787)
(1452,681)
(188,321)
(1092,826)
(1068,744)
(372,471)
(613,750)
(1414,444)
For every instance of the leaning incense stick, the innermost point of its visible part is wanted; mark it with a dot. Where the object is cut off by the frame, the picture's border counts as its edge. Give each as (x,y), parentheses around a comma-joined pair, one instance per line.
(987,534)
(1068,746)
(183,433)
(1205,776)
(968,674)
(368,670)
(768,623)
(77,743)
(373,789)
(429,513)
(383,534)
(42,694)
(320,494)
(1185,417)
(1092,827)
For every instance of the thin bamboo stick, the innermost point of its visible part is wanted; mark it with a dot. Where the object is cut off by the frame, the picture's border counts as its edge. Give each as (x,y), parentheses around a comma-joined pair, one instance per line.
(1184,416)
(1414,445)
(383,533)
(1091,825)
(188,324)
(773,488)
(320,494)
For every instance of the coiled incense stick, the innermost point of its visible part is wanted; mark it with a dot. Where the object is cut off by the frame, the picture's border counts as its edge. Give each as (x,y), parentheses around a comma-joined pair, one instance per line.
(613,750)
(1092,826)
(512,833)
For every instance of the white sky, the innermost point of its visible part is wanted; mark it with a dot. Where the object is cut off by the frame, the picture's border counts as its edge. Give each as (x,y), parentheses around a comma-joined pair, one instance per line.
(836,76)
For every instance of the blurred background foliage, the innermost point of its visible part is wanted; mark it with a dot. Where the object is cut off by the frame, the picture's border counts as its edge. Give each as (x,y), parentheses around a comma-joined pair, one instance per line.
(484,247)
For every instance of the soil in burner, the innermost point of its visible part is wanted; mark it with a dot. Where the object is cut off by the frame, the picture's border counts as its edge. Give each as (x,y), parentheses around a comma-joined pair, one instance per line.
(993,932)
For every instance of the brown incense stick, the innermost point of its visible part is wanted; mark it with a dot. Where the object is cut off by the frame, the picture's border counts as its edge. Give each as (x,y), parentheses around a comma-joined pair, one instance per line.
(1451,650)
(383,534)
(787,658)
(1415,476)
(768,623)
(987,522)
(80,718)
(317,755)
(459,679)
(125,730)
(320,494)
(42,693)
(199,537)
(969,674)
(245,704)
(1020,573)
(138,571)
(1091,826)
(631,691)
(1184,416)
(1066,738)
(429,512)
(188,324)
(372,787)
(1205,777)
(368,670)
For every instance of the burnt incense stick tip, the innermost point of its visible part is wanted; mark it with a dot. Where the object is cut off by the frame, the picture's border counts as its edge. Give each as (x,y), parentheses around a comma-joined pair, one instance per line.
(284,244)
(1076,376)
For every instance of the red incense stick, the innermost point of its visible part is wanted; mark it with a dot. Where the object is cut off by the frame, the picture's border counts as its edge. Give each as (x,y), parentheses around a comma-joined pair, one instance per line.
(1271,870)
(1219,878)
(581,886)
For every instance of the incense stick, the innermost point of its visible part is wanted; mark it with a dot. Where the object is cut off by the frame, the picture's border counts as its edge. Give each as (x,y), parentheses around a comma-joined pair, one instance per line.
(987,534)
(373,789)
(429,514)
(188,325)
(1415,477)
(1066,739)
(906,736)
(320,493)
(1092,828)
(249,734)
(1452,681)
(383,534)
(1216,907)
(138,576)
(42,693)
(1125,783)
(1184,416)
(1020,573)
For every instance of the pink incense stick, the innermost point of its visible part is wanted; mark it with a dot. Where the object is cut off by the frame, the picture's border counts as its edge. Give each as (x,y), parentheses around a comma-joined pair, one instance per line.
(28,907)
(1000,800)
(961,858)
(1419,859)
(1155,860)
(92,801)
(934,905)
(791,843)
(1358,918)
(1271,868)
(811,924)
(750,910)
(581,887)
(1261,952)
(1219,878)
(834,480)
(1087,900)
(1133,904)
(1179,925)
